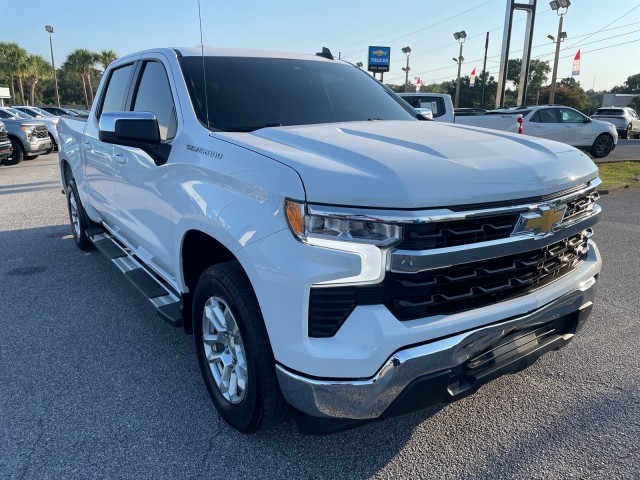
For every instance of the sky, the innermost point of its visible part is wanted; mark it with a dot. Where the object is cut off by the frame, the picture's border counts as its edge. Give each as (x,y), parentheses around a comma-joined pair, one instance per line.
(608,34)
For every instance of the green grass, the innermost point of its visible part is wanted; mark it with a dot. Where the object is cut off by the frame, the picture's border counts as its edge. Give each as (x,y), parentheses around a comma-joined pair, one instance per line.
(613,174)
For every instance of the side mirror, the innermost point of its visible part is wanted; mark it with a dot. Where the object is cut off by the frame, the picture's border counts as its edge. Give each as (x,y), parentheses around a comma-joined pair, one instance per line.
(130,129)
(134,129)
(425,113)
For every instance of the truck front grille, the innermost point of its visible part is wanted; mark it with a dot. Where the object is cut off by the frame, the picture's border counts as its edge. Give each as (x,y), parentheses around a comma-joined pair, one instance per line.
(41,131)
(449,290)
(472,285)
(3,137)
(459,232)
(432,235)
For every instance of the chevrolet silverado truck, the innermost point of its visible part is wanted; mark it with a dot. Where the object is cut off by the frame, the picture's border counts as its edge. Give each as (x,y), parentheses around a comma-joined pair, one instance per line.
(333,255)
(29,137)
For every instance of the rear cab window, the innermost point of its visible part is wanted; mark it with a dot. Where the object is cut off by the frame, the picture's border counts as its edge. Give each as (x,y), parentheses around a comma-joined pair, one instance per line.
(436,104)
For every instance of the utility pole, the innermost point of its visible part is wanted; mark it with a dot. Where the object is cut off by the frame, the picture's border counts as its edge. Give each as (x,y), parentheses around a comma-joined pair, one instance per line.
(407,52)
(484,70)
(460,37)
(49,29)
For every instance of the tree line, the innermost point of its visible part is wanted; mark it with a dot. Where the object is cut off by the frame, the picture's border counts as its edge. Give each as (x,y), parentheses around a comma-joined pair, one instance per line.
(568,91)
(31,81)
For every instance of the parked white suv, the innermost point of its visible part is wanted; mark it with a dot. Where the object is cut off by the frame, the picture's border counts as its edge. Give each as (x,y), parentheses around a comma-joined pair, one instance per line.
(568,125)
(625,120)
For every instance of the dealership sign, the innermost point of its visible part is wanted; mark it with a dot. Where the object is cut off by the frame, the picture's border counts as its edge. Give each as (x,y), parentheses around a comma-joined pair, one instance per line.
(379,59)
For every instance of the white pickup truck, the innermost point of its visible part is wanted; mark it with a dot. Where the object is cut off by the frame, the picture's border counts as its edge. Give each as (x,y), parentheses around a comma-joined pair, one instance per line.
(328,250)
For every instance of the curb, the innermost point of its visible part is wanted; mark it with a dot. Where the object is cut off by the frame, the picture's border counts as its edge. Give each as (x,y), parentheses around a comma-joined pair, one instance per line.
(615,188)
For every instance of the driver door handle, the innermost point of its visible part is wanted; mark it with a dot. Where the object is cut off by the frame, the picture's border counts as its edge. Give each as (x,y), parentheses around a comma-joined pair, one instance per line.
(87,146)
(120,159)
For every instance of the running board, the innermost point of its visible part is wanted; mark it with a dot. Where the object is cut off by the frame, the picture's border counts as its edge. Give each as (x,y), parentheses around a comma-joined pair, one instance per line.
(166,302)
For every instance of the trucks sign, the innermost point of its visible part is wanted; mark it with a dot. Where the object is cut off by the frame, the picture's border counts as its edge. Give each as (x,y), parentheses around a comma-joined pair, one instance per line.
(379,59)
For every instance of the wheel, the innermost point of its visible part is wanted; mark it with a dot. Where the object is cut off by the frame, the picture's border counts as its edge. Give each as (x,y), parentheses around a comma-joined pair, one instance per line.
(602,146)
(77,217)
(234,352)
(627,133)
(17,155)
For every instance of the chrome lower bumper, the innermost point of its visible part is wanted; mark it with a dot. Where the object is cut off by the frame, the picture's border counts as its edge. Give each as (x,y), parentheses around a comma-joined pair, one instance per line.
(370,398)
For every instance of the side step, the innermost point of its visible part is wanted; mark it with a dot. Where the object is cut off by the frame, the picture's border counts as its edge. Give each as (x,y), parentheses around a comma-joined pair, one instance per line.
(165,301)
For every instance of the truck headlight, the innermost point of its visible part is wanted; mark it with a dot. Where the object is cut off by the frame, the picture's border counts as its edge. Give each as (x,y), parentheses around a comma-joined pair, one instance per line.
(28,129)
(306,226)
(371,240)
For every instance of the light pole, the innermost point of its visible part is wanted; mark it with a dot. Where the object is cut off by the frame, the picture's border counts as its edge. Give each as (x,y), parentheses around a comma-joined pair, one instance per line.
(556,6)
(49,29)
(359,65)
(407,52)
(460,37)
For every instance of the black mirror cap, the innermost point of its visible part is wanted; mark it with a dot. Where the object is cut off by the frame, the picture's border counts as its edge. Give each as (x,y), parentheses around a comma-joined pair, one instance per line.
(132,132)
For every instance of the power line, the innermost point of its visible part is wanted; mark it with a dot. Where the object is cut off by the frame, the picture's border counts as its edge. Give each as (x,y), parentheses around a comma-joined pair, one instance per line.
(429,26)
(401,26)
(566,56)
(588,35)
(609,24)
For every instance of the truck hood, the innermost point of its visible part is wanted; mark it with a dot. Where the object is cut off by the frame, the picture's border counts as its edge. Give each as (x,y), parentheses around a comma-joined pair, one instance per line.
(406,164)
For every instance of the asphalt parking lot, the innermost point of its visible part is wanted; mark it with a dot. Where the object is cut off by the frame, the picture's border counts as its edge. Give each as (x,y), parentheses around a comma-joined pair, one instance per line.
(94,385)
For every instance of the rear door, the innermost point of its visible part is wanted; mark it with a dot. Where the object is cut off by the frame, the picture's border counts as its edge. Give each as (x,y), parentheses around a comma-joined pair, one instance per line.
(545,123)
(143,189)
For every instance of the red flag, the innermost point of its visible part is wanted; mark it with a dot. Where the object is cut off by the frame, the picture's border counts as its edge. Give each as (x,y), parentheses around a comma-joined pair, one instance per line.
(472,81)
(575,71)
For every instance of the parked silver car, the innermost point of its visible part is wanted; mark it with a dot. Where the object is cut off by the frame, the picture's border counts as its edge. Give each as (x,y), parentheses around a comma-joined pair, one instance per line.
(625,120)
(51,121)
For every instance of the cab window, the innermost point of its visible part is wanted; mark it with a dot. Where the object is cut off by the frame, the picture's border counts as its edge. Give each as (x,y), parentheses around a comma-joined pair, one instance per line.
(154,95)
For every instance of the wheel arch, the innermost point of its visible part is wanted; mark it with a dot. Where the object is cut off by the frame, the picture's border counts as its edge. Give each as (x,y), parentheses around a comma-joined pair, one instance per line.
(66,172)
(198,252)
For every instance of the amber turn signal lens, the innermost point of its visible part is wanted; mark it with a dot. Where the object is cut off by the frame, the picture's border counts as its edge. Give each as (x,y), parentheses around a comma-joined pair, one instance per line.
(294,215)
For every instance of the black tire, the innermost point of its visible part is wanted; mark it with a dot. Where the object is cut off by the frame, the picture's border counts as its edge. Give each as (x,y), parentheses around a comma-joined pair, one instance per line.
(627,133)
(260,404)
(77,217)
(602,146)
(17,155)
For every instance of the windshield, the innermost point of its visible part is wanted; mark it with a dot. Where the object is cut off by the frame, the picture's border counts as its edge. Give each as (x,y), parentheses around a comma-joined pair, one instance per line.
(42,112)
(20,114)
(248,93)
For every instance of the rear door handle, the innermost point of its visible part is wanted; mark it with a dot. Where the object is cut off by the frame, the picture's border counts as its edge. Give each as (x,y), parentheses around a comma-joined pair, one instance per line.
(120,159)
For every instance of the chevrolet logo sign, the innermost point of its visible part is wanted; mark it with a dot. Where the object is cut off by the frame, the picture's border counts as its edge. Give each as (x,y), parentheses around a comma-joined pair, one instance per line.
(540,223)
(379,53)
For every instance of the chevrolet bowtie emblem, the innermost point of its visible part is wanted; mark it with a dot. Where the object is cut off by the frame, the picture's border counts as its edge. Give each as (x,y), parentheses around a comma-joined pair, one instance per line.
(540,222)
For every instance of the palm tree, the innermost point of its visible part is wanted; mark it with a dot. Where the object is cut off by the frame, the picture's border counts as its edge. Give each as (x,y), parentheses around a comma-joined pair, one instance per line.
(81,61)
(37,69)
(13,60)
(105,57)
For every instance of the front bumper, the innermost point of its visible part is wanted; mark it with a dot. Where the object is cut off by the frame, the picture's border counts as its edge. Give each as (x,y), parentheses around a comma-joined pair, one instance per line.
(444,370)
(38,146)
